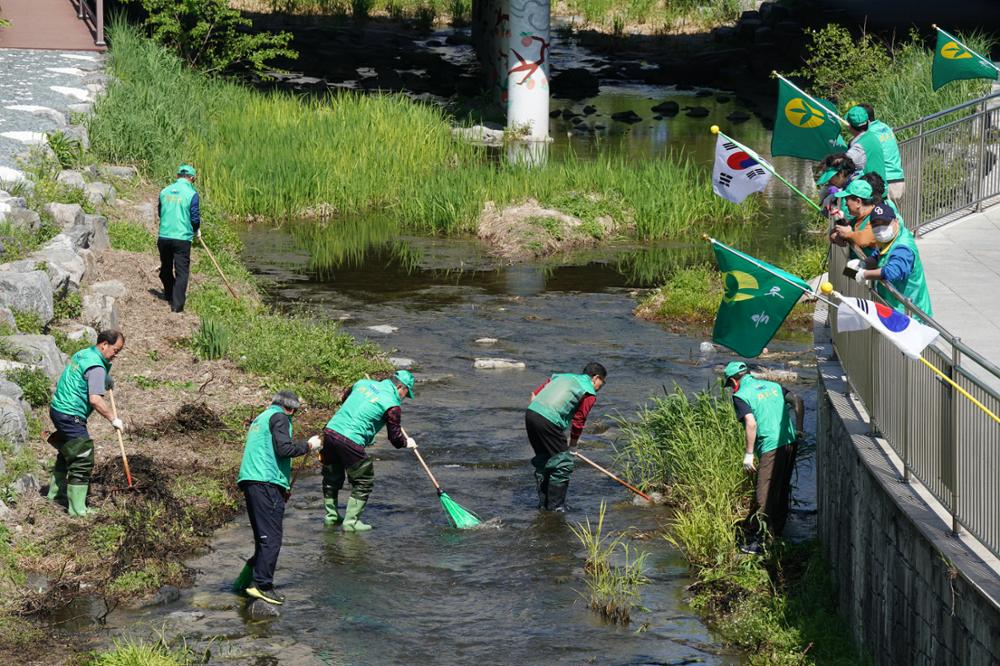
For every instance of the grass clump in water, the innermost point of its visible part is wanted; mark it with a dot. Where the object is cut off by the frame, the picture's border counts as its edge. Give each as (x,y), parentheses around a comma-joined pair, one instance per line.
(614,589)
(134,652)
(780,608)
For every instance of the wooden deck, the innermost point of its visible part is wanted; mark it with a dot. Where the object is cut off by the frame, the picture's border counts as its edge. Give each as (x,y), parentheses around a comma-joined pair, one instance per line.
(44,24)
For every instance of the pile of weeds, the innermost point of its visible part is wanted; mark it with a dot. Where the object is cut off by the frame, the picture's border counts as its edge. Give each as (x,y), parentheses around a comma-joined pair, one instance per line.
(190,418)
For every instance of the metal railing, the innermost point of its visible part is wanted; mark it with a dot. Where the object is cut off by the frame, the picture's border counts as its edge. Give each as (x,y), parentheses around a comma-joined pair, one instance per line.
(952,162)
(92,13)
(943,439)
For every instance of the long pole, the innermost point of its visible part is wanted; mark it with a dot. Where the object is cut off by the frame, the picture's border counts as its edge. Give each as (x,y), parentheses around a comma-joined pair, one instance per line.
(424,465)
(121,442)
(216,264)
(960,43)
(811,98)
(764,163)
(604,471)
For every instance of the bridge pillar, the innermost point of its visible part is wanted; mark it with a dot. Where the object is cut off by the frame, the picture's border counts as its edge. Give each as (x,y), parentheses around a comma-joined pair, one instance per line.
(527,69)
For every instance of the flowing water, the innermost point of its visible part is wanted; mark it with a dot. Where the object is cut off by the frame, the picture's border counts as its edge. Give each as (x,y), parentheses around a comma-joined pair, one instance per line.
(414,591)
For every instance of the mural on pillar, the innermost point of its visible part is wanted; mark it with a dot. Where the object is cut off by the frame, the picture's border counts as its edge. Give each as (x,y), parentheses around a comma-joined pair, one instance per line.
(532,19)
(498,72)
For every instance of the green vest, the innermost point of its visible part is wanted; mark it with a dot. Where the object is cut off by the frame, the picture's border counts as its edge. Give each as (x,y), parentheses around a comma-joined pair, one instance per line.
(874,161)
(914,287)
(767,402)
(561,396)
(175,210)
(890,150)
(363,413)
(72,393)
(259,462)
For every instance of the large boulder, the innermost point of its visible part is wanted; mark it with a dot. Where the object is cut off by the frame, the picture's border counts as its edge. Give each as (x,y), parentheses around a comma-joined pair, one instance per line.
(23,219)
(72,179)
(30,291)
(99,311)
(7,320)
(80,235)
(66,269)
(98,193)
(65,215)
(13,423)
(100,239)
(40,350)
(112,288)
(79,332)
(121,172)
(14,392)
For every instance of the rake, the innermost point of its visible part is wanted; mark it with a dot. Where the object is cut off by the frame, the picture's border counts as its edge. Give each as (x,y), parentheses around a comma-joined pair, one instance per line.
(459,516)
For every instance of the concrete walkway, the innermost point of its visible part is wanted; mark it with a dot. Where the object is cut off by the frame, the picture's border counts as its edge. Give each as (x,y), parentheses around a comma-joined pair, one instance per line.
(44,24)
(962,266)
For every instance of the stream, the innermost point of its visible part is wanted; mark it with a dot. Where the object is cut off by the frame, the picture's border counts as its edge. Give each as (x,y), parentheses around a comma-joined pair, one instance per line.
(414,591)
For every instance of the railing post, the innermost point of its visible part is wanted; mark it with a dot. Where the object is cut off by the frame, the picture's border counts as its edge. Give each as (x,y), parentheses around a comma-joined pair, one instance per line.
(956,359)
(906,426)
(99,21)
(918,209)
(79,8)
(980,175)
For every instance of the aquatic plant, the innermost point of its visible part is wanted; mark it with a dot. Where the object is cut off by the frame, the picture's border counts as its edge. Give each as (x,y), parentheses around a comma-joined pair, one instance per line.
(130,651)
(614,590)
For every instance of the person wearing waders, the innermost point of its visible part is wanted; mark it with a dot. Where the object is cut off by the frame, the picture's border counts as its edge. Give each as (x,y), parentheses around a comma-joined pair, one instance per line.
(563,401)
(180,222)
(79,392)
(265,479)
(762,407)
(367,406)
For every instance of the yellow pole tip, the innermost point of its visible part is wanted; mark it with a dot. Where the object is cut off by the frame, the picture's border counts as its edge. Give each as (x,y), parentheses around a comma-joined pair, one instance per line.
(826,288)
(715,129)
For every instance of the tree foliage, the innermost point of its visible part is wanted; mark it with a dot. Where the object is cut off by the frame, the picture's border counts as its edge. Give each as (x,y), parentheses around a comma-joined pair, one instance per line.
(212,36)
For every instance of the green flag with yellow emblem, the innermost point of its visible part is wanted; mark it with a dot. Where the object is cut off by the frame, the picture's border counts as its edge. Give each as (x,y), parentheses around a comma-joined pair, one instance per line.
(954,61)
(755,301)
(802,127)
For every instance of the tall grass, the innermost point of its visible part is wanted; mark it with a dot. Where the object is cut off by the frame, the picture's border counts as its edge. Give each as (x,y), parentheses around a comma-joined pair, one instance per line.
(659,15)
(614,589)
(779,608)
(275,155)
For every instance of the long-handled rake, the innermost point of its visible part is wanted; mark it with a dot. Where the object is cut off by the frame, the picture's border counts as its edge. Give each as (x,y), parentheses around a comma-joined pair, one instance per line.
(609,474)
(459,516)
(121,442)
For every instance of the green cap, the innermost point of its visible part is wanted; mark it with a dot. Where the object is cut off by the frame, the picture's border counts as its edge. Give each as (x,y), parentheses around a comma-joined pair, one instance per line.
(857,117)
(405,378)
(185,170)
(825,177)
(856,188)
(734,368)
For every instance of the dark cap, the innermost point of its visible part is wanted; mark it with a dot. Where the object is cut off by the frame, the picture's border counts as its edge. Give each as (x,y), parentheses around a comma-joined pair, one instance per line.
(882,213)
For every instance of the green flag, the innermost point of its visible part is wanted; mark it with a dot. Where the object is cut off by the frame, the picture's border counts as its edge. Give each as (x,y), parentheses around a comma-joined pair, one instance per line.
(802,127)
(756,299)
(953,61)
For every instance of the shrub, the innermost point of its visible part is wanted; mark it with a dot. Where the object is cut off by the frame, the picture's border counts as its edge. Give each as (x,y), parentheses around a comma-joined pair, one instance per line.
(28,321)
(68,151)
(212,339)
(35,383)
(67,305)
(212,36)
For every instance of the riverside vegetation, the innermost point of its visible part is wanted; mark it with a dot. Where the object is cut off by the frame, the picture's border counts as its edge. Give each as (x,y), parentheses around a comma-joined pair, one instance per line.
(779,608)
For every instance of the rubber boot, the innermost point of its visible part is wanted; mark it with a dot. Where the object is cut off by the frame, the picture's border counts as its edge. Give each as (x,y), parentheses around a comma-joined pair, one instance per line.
(543,485)
(352,520)
(244,580)
(57,487)
(76,494)
(333,516)
(557,496)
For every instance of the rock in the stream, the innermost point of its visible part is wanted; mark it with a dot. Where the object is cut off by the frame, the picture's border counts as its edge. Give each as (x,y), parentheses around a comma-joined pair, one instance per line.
(486,341)
(383,328)
(261,610)
(401,363)
(776,375)
(498,364)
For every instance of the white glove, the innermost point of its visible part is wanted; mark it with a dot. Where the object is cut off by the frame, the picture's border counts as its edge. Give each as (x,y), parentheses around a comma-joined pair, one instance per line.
(859,277)
(117,424)
(748,465)
(411,443)
(315,443)
(854,264)
(198,233)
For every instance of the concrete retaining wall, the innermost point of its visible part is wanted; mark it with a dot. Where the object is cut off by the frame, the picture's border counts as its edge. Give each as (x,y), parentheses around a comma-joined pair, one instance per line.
(911,592)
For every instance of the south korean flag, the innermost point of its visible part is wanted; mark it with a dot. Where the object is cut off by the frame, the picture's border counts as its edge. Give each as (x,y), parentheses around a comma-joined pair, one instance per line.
(737,175)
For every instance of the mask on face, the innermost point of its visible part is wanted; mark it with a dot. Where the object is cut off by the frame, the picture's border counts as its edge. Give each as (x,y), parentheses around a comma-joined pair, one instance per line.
(884,233)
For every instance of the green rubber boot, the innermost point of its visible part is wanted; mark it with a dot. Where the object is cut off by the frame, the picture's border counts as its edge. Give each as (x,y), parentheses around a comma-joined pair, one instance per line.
(244,580)
(333,516)
(76,493)
(352,520)
(57,487)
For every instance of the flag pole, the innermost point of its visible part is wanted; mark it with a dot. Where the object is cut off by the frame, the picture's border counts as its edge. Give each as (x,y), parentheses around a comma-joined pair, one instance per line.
(764,163)
(958,41)
(764,268)
(811,98)
(940,374)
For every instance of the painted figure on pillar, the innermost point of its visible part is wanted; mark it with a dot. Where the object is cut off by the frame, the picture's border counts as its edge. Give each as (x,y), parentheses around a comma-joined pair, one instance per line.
(528,69)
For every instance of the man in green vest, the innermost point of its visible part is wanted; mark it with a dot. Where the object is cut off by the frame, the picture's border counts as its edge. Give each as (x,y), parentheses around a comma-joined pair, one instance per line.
(860,199)
(895,260)
(562,401)
(180,222)
(80,391)
(895,177)
(762,407)
(865,148)
(266,479)
(367,407)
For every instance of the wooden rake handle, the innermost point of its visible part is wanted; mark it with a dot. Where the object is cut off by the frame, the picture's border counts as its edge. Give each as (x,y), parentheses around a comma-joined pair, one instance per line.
(424,465)
(216,264)
(121,442)
(604,471)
